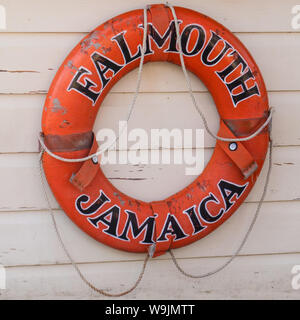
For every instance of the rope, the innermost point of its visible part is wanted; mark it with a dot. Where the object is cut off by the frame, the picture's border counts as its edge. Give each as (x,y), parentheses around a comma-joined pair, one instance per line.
(222,139)
(74,264)
(45,149)
(137,89)
(246,235)
(188,82)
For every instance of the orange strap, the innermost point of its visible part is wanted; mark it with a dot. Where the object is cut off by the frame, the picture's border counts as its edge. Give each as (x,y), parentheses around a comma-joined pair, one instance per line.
(88,170)
(237,152)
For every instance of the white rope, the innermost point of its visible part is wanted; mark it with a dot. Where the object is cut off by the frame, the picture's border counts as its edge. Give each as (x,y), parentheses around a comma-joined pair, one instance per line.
(188,82)
(74,264)
(244,238)
(222,139)
(117,138)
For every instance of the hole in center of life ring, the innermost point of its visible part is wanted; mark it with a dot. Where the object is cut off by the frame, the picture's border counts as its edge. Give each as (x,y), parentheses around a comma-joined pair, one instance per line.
(164,146)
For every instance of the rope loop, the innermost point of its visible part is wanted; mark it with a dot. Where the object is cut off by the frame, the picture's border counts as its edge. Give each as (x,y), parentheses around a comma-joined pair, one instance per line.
(74,264)
(222,139)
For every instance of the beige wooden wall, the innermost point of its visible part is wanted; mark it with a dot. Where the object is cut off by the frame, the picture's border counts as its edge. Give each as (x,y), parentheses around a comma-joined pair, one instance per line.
(39,35)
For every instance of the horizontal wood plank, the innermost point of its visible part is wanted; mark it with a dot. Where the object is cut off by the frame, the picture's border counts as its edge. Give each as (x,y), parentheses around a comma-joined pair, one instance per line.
(20,121)
(255,277)
(22,188)
(29,238)
(83,16)
(30,61)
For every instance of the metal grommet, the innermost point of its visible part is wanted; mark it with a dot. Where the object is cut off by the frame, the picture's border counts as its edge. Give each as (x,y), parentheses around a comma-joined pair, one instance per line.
(95,160)
(233,146)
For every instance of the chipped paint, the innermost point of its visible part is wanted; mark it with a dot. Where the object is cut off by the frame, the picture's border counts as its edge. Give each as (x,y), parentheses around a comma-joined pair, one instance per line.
(64,124)
(19,71)
(57,106)
(119,197)
(286,163)
(189,196)
(89,41)
(38,92)
(202,186)
(71,65)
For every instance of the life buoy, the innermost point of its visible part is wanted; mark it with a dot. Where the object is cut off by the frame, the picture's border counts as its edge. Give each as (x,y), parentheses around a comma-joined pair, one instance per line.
(109,52)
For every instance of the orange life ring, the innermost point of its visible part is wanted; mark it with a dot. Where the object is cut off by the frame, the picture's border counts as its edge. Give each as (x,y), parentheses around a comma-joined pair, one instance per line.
(109,52)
